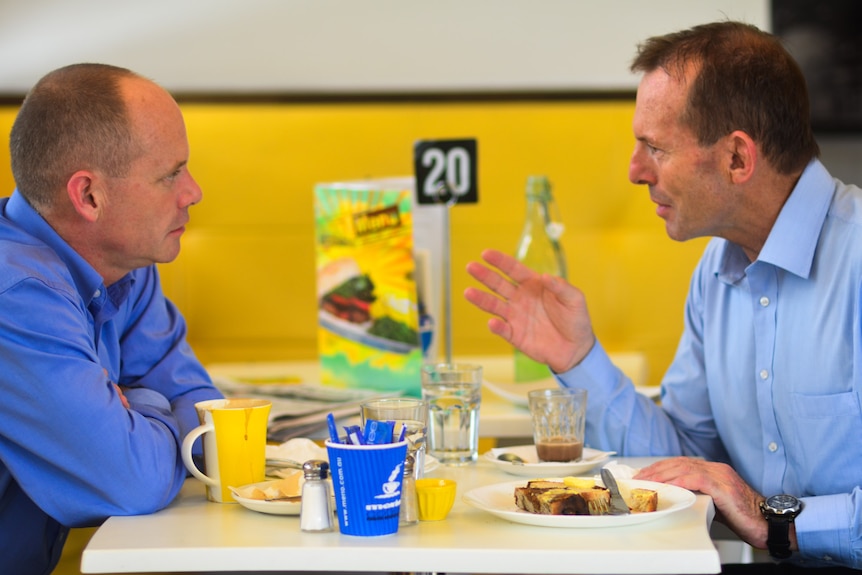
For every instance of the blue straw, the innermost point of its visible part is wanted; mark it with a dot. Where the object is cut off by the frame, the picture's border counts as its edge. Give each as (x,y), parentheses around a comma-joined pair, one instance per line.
(333,430)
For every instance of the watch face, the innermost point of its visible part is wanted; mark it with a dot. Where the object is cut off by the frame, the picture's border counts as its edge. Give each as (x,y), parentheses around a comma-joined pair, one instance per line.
(783,504)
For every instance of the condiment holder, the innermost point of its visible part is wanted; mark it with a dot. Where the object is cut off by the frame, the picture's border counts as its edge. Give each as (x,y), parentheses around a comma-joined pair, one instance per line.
(435,498)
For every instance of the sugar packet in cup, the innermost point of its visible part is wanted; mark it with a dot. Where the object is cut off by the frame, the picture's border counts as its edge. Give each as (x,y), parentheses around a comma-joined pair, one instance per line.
(378,432)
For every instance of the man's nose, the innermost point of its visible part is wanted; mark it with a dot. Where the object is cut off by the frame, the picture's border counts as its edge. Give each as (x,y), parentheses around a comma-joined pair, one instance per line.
(640,171)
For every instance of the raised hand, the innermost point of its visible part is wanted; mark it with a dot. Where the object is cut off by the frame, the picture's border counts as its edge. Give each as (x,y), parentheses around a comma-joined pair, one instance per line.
(542,315)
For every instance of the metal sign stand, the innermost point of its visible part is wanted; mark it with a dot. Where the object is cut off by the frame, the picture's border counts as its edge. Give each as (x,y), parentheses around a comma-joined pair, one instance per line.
(442,191)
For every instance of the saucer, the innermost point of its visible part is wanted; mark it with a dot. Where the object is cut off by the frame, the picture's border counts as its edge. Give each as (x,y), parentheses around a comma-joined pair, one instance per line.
(536,469)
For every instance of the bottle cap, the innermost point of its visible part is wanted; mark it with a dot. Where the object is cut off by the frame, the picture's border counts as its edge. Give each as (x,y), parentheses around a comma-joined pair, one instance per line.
(315,469)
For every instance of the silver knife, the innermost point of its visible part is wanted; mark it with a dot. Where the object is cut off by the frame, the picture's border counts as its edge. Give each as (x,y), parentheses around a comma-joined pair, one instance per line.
(618,505)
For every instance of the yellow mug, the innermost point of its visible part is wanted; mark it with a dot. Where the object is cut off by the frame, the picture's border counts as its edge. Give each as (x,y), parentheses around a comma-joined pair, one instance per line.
(234,445)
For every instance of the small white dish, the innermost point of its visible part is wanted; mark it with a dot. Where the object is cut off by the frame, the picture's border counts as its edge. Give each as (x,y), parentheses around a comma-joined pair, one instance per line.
(499,501)
(536,469)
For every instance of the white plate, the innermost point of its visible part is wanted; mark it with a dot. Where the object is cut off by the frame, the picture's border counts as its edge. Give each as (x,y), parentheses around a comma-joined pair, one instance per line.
(270,507)
(535,469)
(293,507)
(359,333)
(499,500)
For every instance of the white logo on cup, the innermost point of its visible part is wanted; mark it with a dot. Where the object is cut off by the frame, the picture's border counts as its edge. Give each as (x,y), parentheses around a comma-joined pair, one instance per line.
(390,488)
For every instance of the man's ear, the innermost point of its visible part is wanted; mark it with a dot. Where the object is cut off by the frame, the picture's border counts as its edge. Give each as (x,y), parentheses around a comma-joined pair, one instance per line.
(85,193)
(743,156)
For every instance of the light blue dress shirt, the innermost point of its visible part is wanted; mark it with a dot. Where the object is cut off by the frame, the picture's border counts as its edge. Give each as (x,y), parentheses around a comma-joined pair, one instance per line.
(768,372)
(70,453)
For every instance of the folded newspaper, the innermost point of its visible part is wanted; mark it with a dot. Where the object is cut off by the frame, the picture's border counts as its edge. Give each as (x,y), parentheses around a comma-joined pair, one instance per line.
(300,409)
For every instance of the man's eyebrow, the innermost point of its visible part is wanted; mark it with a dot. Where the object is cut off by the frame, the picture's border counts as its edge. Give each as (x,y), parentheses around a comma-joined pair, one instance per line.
(177,166)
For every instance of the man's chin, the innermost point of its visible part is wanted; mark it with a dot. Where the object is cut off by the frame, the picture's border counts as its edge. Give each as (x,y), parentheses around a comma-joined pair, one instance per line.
(674,233)
(168,255)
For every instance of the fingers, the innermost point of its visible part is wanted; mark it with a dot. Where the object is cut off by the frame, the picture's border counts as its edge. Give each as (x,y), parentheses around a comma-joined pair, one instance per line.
(491,279)
(507,264)
(500,327)
(485,301)
(123,399)
(681,471)
(660,469)
(494,306)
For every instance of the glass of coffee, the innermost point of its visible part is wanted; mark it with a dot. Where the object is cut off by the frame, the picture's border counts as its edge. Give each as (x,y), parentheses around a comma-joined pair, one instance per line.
(559,418)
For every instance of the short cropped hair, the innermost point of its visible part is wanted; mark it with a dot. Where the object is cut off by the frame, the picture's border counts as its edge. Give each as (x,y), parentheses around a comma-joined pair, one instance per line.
(744,80)
(74,118)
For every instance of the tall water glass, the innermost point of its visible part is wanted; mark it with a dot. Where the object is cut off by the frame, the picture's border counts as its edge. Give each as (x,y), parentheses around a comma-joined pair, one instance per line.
(454,395)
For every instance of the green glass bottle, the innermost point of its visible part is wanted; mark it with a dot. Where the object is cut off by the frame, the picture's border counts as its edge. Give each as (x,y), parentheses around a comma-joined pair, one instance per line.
(539,248)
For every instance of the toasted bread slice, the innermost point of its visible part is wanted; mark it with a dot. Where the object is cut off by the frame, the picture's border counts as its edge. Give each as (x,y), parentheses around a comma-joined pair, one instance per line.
(574,496)
(642,500)
(552,498)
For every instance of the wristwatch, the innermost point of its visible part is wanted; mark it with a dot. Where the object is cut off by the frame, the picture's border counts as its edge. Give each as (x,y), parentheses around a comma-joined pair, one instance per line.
(780,511)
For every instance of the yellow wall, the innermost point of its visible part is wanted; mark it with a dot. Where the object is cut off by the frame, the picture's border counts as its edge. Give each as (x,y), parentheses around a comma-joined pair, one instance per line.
(245,277)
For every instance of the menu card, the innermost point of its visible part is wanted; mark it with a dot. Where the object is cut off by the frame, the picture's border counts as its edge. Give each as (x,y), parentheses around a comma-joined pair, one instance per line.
(369,306)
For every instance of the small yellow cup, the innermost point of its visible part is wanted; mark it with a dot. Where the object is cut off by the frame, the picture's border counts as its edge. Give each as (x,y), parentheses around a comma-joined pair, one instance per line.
(435,498)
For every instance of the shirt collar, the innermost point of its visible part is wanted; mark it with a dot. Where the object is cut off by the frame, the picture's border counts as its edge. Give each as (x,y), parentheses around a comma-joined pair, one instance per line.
(87,280)
(792,242)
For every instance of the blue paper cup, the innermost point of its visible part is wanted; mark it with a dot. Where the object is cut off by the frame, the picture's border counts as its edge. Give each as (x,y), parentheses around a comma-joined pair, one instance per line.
(367,481)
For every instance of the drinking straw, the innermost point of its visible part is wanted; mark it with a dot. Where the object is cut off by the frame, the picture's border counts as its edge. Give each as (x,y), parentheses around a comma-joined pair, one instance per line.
(354,435)
(333,430)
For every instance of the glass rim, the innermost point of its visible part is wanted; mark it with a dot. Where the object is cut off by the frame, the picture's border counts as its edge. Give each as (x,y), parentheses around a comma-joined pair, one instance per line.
(240,403)
(367,446)
(561,391)
(394,402)
(455,366)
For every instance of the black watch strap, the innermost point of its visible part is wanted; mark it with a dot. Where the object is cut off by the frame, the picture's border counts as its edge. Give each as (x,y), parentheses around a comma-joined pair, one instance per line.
(778,537)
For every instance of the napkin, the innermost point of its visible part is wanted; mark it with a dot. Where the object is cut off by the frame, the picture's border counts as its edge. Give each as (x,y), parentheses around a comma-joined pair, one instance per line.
(620,470)
(299,449)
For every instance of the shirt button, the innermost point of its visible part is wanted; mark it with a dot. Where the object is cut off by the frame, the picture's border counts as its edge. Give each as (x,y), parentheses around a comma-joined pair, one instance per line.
(773,447)
(764,301)
(764,374)
(97,293)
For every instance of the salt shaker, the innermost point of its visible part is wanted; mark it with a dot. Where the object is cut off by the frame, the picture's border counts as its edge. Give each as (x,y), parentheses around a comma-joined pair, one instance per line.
(409,512)
(315,513)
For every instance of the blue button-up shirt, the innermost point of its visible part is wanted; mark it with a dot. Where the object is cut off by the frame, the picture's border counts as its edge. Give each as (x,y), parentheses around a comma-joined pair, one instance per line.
(768,372)
(70,453)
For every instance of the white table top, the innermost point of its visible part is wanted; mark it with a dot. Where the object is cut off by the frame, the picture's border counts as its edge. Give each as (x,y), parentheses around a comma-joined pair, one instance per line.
(195,535)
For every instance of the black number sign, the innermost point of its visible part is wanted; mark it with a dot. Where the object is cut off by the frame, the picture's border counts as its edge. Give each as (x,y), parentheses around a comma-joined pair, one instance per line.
(446,171)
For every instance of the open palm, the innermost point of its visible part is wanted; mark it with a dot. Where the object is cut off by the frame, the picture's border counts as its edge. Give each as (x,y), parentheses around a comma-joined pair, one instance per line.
(543,316)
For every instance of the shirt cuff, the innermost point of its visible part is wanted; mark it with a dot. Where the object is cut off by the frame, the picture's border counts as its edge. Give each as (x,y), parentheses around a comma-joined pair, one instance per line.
(822,528)
(141,398)
(594,373)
